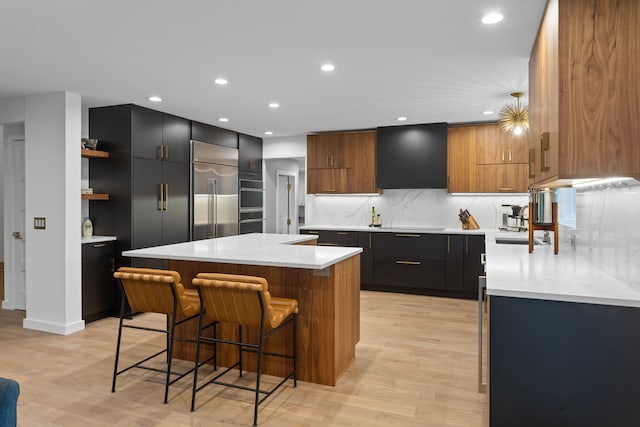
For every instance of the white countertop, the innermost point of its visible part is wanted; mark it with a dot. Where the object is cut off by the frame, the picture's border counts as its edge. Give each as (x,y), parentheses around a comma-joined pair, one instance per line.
(276,250)
(513,272)
(383,229)
(97,239)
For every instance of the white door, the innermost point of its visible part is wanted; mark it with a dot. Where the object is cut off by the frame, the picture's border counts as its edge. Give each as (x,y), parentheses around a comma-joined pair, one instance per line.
(15,265)
(286,222)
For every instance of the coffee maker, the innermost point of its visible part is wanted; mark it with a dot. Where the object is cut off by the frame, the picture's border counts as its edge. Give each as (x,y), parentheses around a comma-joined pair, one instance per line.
(515,219)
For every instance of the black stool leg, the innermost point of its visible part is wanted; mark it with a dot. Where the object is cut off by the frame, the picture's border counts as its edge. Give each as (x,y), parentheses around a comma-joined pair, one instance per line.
(170,355)
(195,371)
(240,348)
(295,353)
(115,367)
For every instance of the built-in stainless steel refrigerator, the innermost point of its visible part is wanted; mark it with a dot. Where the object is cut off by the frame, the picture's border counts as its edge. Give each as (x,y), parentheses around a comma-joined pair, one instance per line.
(214,191)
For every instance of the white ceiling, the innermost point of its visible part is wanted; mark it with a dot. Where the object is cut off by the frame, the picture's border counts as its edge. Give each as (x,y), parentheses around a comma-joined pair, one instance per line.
(432,61)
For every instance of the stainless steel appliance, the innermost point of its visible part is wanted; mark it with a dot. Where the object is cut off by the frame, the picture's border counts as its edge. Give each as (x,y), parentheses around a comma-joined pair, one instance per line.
(214,191)
(514,220)
(251,206)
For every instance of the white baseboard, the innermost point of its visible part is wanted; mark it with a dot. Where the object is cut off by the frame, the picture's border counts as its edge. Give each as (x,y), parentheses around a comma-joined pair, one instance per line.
(54,328)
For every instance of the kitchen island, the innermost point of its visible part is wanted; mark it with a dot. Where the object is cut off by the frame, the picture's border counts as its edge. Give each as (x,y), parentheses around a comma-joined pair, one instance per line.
(324,280)
(563,340)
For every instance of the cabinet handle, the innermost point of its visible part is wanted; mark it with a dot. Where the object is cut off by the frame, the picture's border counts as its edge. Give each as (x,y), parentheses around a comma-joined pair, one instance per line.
(409,262)
(166,197)
(329,190)
(160,152)
(327,244)
(113,265)
(342,233)
(483,258)
(166,152)
(502,156)
(509,155)
(314,232)
(407,235)
(532,160)
(99,245)
(544,151)
(505,189)
(160,197)
(448,244)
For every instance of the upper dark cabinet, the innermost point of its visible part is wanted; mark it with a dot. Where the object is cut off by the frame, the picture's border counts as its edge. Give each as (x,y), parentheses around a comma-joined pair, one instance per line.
(146,132)
(412,156)
(213,135)
(176,133)
(250,156)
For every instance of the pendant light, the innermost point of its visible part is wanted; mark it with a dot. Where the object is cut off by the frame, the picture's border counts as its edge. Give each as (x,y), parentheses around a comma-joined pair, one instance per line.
(514,118)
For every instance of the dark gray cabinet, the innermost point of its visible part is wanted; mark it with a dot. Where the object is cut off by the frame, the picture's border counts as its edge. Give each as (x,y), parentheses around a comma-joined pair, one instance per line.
(464,263)
(249,157)
(99,289)
(147,176)
(412,156)
(213,135)
(406,261)
(365,241)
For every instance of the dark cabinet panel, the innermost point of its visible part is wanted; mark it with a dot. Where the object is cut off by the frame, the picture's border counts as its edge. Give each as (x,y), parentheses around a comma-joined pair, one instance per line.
(455,262)
(250,157)
(99,289)
(146,132)
(408,246)
(419,274)
(146,210)
(176,133)
(412,156)
(365,241)
(213,135)
(175,218)
(474,247)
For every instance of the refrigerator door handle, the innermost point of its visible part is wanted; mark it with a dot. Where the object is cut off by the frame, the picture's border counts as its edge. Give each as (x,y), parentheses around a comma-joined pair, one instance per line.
(215,208)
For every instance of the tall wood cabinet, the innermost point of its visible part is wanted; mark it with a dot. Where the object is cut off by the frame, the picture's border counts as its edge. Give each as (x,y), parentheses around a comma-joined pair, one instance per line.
(147,177)
(341,163)
(483,159)
(584,92)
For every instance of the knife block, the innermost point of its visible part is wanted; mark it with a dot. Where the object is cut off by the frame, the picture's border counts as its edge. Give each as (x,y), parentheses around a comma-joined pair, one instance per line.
(547,227)
(472,224)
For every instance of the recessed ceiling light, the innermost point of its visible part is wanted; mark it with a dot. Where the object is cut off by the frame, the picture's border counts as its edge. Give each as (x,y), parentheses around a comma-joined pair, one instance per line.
(155,98)
(274,105)
(327,67)
(401,119)
(223,119)
(488,112)
(492,18)
(221,81)
(268,132)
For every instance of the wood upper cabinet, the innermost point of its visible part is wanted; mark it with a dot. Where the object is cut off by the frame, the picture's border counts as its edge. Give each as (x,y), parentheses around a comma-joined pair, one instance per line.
(341,163)
(584,92)
(475,163)
(461,159)
(495,146)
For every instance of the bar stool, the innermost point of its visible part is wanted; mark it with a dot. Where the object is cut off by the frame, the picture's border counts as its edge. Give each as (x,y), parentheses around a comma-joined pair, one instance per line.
(245,301)
(157,291)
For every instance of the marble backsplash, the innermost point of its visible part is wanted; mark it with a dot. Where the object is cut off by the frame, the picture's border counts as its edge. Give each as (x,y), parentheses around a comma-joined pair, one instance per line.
(606,233)
(406,208)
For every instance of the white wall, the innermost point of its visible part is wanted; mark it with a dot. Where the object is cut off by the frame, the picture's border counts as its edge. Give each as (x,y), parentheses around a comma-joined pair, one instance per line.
(291,146)
(271,167)
(52,175)
(2,169)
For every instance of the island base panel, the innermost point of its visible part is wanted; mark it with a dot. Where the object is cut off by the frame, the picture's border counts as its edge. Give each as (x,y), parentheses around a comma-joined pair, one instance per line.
(328,324)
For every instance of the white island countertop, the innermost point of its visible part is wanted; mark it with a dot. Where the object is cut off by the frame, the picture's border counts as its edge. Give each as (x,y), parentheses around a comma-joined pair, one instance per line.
(513,272)
(275,250)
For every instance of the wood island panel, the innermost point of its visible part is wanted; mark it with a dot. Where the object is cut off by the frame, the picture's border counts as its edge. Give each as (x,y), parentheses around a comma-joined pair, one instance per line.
(328,325)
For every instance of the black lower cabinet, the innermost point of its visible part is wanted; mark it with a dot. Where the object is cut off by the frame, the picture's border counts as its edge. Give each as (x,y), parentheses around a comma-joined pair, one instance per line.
(563,364)
(99,288)
(464,263)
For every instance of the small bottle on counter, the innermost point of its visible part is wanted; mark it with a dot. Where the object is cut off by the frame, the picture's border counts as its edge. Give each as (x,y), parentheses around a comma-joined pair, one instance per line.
(373,215)
(378,223)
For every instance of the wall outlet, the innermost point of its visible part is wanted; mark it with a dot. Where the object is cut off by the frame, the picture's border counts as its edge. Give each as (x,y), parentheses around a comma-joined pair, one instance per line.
(39,223)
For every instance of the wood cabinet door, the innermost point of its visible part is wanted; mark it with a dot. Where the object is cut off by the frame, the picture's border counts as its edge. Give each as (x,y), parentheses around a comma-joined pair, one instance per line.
(328,181)
(517,148)
(360,154)
(326,151)
(461,159)
(490,145)
(505,178)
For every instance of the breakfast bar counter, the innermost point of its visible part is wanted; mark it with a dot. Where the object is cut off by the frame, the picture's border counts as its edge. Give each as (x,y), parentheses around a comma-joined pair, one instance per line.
(324,280)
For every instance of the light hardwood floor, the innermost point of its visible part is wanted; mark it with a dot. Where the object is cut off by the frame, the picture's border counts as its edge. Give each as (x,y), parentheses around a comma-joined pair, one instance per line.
(415,366)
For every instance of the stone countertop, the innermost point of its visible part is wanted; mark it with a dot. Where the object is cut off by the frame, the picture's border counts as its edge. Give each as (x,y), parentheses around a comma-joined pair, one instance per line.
(383,229)
(513,272)
(276,250)
(98,239)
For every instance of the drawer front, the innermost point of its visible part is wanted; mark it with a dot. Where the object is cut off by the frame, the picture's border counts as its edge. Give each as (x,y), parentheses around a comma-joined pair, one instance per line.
(410,246)
(410,274)
(98,249)
(342,238)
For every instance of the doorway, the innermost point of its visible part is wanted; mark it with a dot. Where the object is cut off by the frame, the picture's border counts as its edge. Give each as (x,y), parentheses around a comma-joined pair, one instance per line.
(286,205)
(14,219)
